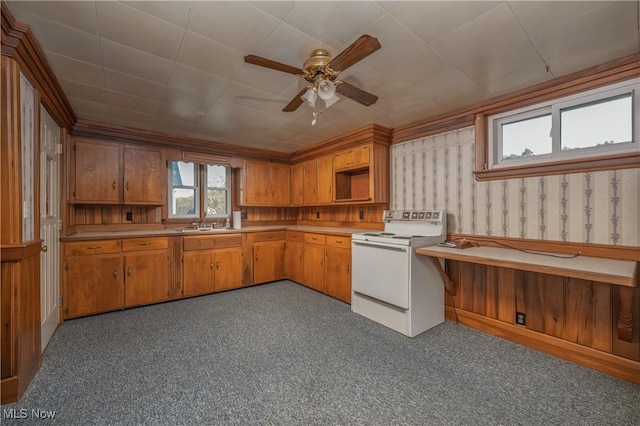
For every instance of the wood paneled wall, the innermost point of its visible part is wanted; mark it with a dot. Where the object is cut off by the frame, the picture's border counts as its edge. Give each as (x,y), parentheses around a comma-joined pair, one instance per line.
(83,218)
(585,313)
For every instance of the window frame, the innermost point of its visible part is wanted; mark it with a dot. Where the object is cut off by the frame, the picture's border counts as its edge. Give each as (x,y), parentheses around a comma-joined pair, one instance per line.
(171,187)
(495,122)
(206,189)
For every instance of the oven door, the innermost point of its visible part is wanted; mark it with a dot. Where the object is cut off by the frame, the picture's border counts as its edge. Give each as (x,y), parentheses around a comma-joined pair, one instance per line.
(381,271)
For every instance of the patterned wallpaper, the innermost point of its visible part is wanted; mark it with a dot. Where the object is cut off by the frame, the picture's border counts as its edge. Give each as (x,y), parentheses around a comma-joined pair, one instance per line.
(436,172)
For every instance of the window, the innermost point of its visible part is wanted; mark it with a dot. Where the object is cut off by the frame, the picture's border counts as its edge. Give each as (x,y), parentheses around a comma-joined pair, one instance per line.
(183,196)
(590,124)
(185,193)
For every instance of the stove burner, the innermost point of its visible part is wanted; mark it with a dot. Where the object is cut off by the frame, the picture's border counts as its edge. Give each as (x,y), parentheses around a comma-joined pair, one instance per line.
(386,233)
(371,234)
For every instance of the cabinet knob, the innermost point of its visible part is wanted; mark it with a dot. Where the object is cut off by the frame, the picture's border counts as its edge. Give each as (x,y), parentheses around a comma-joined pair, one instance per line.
(129,271)
(115,273)
(211,266)
(94,247)
(127,185)
(113,184)
(218,264)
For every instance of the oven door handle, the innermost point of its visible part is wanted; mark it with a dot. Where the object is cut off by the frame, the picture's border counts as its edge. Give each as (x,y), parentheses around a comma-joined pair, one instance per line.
(402,249)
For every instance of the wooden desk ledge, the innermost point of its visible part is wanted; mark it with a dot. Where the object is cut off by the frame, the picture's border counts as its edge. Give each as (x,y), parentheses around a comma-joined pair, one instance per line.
(611,271)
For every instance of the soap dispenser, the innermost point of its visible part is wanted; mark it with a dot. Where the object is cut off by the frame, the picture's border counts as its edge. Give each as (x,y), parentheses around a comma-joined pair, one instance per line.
(227,224)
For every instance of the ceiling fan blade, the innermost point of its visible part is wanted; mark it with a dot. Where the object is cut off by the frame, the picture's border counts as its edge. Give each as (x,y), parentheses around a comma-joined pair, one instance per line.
(358,95)
(295,102)
(358,50)
(268,63)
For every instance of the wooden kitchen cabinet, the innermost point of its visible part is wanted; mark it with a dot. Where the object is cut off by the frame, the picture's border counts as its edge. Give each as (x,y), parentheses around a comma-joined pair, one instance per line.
(265,184)
(310,182)
(314,267)
(94,284)
(325,180)
(268,249)
(361,174)
(294,256)
(212,263)
(338,273)
(97,172)
(144,176)
(111,173)
(146,271)
(297,184)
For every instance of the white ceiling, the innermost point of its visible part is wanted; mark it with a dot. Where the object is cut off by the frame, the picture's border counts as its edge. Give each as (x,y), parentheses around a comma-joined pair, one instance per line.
(177,67)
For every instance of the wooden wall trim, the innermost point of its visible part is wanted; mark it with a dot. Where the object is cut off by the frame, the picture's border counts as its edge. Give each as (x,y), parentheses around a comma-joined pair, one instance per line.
(611,72)
(19,43)
(102,131)
(16,253)
(587,249)
(370,133)
(607,363)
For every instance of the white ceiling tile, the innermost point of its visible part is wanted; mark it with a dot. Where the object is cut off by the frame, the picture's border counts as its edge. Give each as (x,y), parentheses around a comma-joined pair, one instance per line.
(75,14)
(234,24)
(171,127)
(64,40)
(133,103)
(598,36)
(127,117)
(74,70)
(78,90)
(432,19)
(135,62)
(290,46)
(83,107)
(450,89)
(177,12)
(332,21)
(208,56)
(496,29)
(396,41)
(126,25)
(278,9)
(416,66)
(268,80)
(195,81)
(187,100)
(180,113)
(129,84)
(240,94)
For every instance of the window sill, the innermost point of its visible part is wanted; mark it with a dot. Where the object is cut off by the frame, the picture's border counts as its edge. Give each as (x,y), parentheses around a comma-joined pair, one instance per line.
(579,165)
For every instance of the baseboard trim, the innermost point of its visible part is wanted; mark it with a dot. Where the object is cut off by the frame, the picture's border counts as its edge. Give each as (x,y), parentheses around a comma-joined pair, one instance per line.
(607,363)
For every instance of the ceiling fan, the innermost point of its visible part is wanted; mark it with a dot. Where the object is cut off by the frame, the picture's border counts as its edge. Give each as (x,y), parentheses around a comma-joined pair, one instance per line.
(322,71)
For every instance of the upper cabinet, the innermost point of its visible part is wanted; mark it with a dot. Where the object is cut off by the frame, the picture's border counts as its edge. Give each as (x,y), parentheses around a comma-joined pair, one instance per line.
(265,184)
(111,173)
(362,174)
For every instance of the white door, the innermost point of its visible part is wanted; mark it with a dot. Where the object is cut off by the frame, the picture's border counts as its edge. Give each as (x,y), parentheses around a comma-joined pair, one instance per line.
(49,225)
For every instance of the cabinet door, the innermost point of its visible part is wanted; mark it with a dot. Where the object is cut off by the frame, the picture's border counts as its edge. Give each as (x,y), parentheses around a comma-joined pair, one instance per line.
(97,172)
(280,184)
(352,158)
(297,184)
(314,267)
(310,180)
(256,183)
(94,284)
(144,176)
(147,278)
(228,268)
(198,272)
(268,261)
(295,261)
(325,180)
(338,273)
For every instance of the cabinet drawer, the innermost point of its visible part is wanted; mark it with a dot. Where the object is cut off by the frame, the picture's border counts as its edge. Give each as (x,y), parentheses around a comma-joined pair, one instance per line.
(314,239)
(295,236)
(91,247)
(137,244)
(269,236)
(353,157)
(338,241)
(212,241)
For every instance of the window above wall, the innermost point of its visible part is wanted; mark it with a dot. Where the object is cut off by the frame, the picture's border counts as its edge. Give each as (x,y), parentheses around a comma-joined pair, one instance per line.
(596,123)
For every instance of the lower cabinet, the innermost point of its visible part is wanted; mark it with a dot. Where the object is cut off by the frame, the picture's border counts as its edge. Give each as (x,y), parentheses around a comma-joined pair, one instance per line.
(212,263)
(102,276)
(321,262)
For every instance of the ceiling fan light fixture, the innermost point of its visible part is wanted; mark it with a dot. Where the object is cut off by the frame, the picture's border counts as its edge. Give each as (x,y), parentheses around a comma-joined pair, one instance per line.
(326,90)
(332,100)
(310,97)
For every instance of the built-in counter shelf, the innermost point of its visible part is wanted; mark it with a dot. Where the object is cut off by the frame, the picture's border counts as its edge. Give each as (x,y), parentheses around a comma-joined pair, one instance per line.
(611,271)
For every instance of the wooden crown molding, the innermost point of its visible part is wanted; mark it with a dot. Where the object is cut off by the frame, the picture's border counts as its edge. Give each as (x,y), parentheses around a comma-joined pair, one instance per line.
(19,43)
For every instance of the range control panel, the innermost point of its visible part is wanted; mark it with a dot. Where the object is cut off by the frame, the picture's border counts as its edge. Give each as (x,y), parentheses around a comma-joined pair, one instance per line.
(425,215)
